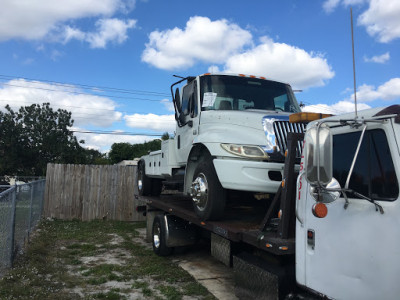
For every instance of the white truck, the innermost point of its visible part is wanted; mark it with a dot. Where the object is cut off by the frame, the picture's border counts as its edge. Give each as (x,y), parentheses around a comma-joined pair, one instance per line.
(230,135)
(350,177)
(331,229)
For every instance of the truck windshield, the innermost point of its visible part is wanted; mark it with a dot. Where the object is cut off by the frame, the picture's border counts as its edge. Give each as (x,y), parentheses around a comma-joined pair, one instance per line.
(224,92)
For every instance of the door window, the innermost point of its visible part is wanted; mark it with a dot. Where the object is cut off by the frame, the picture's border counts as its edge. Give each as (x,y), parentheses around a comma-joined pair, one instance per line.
(374,174)
(189,100)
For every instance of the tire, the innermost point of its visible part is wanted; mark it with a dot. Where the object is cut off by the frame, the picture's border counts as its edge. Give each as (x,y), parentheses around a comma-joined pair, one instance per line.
(159,237)
(143,182)
(208,195)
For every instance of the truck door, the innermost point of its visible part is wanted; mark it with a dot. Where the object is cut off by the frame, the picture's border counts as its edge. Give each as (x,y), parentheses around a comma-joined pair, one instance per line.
(189,121)
(354,253)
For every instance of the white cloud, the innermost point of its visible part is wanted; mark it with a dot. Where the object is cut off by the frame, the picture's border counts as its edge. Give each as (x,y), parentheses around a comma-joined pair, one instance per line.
(110,30)
(214,69)
(86,109)
(73,33)
(380,59)
(223,43)
(202,40)
(168,104)
(282,62)
(382,19)
(330,5)
(338,108)
(388,91)
(160,123)
(48,19)
(55,55)
(103,142)
(33,20)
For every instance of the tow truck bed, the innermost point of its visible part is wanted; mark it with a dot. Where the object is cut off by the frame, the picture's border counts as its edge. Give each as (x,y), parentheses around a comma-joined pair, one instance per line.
(241,222)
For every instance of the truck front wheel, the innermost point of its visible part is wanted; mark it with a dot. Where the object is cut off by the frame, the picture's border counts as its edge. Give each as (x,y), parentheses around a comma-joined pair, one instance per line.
(207,193)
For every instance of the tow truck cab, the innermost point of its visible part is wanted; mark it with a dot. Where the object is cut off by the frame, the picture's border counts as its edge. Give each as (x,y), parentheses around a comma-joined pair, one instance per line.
(348,246)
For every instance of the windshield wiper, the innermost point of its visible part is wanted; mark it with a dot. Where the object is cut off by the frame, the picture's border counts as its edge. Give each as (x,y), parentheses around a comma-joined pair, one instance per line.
(378,207)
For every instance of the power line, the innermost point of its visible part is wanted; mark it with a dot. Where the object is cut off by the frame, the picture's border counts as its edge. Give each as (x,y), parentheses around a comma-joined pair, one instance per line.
(71,106)
(81,93)
(116,133)
(127,91)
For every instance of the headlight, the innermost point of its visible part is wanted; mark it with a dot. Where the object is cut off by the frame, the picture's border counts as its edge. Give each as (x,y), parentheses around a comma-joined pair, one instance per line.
(248,151)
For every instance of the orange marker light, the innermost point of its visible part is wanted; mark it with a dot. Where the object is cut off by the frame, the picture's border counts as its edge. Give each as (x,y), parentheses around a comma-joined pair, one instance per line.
(320,210)
(202,223)
(305,117)
(284,248)
(268,245)
(280,214)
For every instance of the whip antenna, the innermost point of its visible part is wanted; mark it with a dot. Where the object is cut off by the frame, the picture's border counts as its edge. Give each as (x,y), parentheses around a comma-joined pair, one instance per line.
(354,62)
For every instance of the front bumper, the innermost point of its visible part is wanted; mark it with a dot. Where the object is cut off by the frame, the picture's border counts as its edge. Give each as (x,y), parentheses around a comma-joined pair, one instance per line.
(245,175)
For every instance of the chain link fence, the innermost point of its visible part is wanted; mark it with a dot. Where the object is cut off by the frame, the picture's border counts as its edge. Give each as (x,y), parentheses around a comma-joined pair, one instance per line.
(21,207)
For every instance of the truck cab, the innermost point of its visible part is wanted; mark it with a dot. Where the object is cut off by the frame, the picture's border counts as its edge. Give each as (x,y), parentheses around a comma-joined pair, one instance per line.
(348,206)
(230,135)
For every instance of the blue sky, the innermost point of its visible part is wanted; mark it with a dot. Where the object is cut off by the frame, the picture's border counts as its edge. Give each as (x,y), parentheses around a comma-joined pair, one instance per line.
(111,62)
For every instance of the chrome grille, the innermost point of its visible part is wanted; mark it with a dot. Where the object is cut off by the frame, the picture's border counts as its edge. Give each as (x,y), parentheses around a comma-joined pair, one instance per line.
(281,129)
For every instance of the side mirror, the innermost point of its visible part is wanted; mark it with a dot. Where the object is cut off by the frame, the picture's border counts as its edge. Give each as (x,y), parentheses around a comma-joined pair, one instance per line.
(318,154)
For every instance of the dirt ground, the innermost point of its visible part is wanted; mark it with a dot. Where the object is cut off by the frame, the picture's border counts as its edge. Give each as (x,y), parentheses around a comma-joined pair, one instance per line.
(97,260)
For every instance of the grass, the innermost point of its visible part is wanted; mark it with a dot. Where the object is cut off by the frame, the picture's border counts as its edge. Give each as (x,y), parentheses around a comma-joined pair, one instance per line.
(94,260)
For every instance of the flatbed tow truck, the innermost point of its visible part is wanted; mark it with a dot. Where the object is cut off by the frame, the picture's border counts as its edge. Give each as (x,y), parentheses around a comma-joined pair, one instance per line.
(330,231)
(246,226)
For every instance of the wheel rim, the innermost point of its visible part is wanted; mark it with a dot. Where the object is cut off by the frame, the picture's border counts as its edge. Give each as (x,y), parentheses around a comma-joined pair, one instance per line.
(140,180)
(156,235)
(199,191)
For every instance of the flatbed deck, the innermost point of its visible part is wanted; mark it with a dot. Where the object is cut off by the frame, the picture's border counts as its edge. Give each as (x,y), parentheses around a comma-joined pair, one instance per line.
(242,222)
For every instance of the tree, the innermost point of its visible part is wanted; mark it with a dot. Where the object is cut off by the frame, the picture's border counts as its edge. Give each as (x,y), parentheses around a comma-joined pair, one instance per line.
(120,152)
(165,136)
(126,151)
(95,157)
(34,136)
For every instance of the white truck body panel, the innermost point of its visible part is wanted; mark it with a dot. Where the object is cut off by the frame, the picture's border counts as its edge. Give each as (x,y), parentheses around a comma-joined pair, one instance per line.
(213,127)
(356,252)
(244,175)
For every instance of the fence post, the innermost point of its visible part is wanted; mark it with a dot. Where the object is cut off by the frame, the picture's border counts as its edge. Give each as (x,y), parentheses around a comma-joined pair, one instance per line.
(30,209)
(12,228)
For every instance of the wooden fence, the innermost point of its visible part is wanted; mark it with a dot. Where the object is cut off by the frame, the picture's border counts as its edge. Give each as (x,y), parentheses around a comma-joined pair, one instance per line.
(88,192)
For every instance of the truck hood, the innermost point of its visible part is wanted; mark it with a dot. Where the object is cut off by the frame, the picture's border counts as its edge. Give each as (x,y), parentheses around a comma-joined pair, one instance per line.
(248,118)
(251,127)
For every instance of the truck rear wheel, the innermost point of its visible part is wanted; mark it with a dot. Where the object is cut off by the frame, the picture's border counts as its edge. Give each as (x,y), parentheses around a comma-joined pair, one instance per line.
(143,182)
(207,193)
(159,237)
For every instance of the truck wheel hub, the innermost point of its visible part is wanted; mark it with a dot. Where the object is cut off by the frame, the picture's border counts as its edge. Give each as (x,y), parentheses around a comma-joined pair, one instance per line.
(140,180)
(156,236)
(199,191)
